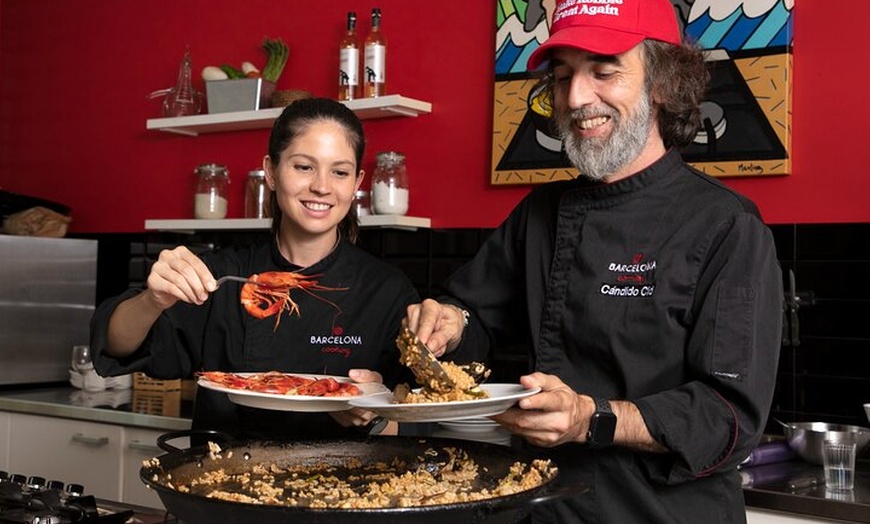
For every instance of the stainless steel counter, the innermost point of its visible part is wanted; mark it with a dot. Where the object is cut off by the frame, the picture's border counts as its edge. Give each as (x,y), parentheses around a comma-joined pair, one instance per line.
(799,487)
(110,406)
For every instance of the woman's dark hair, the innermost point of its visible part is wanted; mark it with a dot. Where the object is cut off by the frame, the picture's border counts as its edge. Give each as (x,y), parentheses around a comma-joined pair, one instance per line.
(293,121)
(678,77)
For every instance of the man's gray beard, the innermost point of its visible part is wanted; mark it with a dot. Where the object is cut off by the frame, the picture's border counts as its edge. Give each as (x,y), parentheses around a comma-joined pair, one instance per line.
(597,158)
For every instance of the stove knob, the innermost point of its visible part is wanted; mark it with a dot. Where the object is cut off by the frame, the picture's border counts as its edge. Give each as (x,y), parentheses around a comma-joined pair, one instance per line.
(46,519)
(75,490)
(36,483)
(55,484)
(18,479)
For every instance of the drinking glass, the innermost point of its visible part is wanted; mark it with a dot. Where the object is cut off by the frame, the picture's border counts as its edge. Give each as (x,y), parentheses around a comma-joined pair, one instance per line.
(81,358)
(839,460)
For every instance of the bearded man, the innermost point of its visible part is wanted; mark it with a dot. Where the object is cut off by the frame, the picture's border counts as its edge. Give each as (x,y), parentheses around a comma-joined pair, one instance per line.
(648,294)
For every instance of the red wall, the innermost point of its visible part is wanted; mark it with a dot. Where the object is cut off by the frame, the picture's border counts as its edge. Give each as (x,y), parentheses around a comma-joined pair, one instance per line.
(74,80)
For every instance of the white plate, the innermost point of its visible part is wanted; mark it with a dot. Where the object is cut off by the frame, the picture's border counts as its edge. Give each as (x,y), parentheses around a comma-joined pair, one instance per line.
(475,425)
(497,435)
(308,403)
(501,397)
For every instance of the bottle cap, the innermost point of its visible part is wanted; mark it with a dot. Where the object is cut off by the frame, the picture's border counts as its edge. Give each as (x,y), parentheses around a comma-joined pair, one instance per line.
(390,157)
(211,169)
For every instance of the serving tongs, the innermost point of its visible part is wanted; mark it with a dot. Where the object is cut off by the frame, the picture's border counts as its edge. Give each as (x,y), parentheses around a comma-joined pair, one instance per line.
(422,362)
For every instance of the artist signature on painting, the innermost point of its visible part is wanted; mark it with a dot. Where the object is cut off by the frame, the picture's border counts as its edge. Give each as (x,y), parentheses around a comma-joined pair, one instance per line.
(750,168)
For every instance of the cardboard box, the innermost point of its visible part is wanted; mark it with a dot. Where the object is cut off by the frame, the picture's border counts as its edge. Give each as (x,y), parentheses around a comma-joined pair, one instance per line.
(161,403)
(242,94)
(142,382)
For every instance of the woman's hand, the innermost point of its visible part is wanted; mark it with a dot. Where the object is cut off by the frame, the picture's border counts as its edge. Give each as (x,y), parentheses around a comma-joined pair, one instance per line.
(177,275)
(359,416)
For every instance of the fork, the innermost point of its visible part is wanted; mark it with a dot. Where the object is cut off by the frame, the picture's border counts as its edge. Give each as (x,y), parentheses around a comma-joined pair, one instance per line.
(223,279)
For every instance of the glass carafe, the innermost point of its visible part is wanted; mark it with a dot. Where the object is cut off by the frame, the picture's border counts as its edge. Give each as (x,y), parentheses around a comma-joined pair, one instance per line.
(183,99)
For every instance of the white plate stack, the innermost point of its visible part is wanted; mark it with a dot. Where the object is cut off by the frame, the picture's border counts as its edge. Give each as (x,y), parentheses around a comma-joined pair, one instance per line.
(480,429)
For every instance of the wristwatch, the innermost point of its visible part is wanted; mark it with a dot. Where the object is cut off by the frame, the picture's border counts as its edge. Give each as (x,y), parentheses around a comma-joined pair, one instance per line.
(602,425)
(374,427)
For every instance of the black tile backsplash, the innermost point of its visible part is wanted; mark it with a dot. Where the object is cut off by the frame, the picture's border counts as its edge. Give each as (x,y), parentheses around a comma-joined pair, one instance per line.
(821,378)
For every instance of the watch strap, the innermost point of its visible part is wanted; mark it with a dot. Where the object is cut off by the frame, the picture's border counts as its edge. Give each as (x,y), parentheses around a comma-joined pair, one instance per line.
(602,405)
(602,425)
(374,427)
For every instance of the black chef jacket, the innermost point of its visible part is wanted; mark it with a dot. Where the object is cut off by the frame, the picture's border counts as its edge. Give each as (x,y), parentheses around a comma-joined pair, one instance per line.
(662,288)
(334,332)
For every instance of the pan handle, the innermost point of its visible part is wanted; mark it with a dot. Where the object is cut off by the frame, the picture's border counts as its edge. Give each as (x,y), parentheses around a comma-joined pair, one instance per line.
(552,495)
(172,435)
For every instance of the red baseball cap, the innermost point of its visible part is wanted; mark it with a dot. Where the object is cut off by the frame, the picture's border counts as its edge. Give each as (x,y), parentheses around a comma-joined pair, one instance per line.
(607,27)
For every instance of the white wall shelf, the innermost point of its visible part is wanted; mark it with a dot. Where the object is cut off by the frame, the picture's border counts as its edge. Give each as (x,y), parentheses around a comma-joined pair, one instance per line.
(240,224)
(365,108)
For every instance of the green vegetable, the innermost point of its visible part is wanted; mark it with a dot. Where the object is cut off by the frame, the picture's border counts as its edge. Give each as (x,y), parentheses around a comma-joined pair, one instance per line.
(278,52)
(231,71)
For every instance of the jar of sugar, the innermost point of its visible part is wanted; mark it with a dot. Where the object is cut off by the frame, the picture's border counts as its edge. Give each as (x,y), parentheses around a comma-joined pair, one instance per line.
(390,184)
(210,198)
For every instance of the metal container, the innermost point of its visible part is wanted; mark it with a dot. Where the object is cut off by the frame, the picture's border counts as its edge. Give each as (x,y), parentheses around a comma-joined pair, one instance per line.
(239,94)
(807,438)
(47,297)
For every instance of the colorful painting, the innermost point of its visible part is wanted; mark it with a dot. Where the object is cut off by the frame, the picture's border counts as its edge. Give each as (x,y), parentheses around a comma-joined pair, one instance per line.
(746,115)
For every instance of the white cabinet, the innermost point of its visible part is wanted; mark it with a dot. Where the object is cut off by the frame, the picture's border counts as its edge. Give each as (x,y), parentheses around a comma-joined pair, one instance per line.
(140,445)
(758,516)
(72,451)
(104,458)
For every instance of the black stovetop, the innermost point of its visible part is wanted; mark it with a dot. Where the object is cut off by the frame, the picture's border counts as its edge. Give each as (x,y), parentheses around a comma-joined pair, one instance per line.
(33,500)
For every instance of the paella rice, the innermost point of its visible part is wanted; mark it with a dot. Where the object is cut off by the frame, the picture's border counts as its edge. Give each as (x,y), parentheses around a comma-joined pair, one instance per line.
(443,476)
(466,388)
(464,380)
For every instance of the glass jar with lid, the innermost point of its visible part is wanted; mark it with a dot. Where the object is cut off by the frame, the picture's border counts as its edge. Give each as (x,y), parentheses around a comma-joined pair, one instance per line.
(257,194)
(210,199)
(390,184)
(362,202)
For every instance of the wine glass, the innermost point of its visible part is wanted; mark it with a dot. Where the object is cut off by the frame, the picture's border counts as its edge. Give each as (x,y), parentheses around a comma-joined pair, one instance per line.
(81,358)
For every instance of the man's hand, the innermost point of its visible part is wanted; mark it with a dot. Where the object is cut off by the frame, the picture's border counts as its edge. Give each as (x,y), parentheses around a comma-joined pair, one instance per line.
(437,325)
(554,416)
